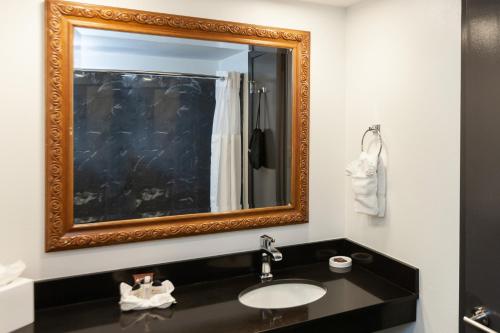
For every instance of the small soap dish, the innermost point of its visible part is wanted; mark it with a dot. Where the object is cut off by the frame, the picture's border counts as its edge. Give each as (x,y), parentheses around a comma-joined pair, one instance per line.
(146,295)
(340,264)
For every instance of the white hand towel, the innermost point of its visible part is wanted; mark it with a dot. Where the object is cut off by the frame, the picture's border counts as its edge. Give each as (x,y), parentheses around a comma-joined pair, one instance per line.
(11,272)
(368,184)
(381,187)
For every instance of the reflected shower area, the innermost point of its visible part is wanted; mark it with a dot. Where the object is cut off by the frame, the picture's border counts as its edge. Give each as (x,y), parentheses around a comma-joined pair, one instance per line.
(168,126)
(270,74)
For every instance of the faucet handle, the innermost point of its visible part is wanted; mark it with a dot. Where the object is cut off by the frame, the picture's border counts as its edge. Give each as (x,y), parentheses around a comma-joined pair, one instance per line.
(266,241)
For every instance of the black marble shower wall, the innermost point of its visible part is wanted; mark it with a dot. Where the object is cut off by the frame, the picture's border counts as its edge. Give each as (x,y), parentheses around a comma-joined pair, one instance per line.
(141,145)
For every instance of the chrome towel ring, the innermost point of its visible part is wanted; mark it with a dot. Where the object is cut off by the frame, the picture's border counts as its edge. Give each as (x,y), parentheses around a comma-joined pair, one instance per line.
(376,131)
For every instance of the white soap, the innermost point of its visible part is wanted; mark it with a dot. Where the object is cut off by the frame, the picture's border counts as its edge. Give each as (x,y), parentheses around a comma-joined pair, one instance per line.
(17,305)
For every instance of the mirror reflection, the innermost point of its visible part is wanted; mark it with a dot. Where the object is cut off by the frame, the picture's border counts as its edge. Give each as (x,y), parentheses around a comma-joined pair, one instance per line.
(170,126)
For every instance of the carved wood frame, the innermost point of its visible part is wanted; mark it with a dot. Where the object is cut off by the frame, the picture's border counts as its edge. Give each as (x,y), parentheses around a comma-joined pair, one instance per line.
(61,233)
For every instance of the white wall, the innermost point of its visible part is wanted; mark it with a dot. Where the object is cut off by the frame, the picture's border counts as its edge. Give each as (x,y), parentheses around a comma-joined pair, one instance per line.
(237,62)
(403,71)
(22,138)
(95,59)
(158,56)
(402,61)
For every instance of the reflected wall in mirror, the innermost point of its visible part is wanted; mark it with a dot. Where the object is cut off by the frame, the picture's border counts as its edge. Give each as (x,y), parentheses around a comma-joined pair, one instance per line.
(163,126)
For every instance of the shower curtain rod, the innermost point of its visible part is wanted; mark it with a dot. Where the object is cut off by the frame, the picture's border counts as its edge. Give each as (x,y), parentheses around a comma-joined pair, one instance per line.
(173,74)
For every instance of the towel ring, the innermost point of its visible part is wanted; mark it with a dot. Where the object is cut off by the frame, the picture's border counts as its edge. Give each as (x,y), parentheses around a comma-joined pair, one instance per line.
(376,130)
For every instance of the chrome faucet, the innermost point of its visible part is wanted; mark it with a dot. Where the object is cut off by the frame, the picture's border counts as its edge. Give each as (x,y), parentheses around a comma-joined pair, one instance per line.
(269,253)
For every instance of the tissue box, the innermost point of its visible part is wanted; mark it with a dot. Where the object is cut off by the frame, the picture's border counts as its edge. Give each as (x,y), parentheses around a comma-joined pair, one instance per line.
(17,306)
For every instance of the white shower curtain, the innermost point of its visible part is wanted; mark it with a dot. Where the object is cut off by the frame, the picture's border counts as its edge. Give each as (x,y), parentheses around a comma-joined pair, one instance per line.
(225,166)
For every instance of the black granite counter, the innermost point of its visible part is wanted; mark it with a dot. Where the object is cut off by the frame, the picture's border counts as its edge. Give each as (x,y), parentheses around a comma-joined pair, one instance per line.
(363,300)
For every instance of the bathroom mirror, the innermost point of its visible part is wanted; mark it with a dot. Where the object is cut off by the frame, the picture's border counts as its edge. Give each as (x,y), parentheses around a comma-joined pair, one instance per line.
(163,126)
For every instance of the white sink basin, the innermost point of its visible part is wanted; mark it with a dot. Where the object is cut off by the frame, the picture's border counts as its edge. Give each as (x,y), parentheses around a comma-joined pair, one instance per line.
(282,294)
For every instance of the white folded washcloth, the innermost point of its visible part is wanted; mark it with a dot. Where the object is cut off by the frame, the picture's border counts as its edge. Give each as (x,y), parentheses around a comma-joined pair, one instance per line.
(11,272)
(162,300)
(368,179)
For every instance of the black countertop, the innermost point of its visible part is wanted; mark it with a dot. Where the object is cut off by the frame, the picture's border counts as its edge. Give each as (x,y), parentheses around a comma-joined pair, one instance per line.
(358,301)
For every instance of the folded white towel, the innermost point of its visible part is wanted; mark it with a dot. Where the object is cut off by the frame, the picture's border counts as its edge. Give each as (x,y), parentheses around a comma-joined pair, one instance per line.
(381,187)
(163,300)
(11,272)
(368,184)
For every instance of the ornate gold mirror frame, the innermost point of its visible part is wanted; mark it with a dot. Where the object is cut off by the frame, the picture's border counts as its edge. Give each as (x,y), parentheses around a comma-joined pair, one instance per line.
(61,233)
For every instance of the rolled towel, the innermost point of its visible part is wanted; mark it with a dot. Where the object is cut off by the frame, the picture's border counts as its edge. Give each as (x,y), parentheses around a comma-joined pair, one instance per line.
(367,174)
